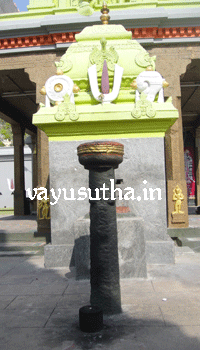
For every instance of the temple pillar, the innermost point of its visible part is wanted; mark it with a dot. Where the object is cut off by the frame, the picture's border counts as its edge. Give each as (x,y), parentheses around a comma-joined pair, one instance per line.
(34,170)
(43,178)
(101,158)
(38,76)
(19,192)
(175,171)
(197,151)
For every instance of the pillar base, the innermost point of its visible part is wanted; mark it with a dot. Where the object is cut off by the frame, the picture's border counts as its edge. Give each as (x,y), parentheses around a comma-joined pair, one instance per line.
(90,319)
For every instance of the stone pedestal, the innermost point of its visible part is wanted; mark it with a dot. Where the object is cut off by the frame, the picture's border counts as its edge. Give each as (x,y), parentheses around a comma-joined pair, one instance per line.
(143,161)
(131,247)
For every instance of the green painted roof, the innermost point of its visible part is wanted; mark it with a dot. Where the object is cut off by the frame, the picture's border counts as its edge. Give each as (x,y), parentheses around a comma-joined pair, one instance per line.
(41,8)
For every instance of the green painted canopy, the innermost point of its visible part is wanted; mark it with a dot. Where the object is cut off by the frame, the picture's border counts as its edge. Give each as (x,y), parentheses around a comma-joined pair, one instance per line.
(123,117)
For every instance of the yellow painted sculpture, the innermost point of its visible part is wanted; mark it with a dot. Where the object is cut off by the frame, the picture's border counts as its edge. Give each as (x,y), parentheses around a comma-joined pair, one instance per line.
(43,209)
(178,197)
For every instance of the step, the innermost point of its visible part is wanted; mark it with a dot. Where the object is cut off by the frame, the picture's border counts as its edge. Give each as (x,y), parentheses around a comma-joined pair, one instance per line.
(25,237)
(193,243)
(18,253)
(22,244)
(188,232)
(21,248)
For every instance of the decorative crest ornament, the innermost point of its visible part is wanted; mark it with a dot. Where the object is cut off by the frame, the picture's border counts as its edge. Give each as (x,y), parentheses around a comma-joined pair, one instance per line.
(99,56)
(145,61)
(64,66)
(66,109)
(85,9)
(143,108)
(102,97)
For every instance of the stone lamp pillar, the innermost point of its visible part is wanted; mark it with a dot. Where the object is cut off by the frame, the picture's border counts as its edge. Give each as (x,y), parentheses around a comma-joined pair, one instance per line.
(101,158)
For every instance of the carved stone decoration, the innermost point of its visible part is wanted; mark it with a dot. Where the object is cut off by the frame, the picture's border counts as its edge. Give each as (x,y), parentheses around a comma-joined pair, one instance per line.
(66,109)
(98,56)
(61,112)
(178,197)
(71,109)
(145,60)
(44,209)
(151,83)
(85,9)
(64,66)
(57,87)
(143,108)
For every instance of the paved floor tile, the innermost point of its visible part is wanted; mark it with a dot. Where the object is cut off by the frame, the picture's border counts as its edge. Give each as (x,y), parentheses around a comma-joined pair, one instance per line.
(78,287)
(34,301)
(24,317)
(5,300)
(174,286)
(130,285)
(16,280)
(31,290)
(185,314)
(37,339)
(175,298)
(138,298)
(8,264)
(143,314)
(73,300)
(62,317)
(113,338)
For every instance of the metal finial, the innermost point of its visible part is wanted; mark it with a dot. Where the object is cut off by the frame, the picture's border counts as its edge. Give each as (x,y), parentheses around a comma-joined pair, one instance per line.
(105,16)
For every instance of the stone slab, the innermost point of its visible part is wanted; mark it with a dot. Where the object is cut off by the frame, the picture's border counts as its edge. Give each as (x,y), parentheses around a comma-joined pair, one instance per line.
(131,248)
(58,255)
(34,302)
(5,300)
(25,317)
(160,252)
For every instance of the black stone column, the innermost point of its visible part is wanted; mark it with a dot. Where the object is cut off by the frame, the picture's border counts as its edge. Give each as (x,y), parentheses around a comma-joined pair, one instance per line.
(101,158)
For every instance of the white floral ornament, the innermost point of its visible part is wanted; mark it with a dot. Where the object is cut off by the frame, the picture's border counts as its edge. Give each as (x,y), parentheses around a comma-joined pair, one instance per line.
(57,87)
(151,84)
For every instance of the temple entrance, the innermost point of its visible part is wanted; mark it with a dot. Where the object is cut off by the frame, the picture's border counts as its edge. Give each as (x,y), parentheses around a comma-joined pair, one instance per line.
(18,104)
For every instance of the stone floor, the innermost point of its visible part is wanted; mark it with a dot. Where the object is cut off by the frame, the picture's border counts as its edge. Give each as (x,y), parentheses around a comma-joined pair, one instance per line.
(39,307)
